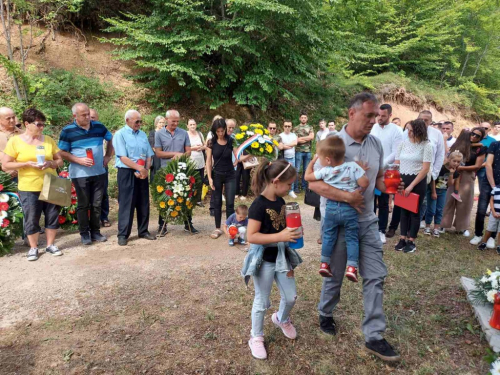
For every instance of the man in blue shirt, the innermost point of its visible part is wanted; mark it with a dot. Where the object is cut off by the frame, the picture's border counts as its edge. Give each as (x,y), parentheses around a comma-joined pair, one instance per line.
(81,143)
(170,143)
(484,193)
(133,160)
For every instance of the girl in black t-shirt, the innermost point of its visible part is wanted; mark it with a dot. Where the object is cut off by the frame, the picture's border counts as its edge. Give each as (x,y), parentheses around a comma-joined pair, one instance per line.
(267,225)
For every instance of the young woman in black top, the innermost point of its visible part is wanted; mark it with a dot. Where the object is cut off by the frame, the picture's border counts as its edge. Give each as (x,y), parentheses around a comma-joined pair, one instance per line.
(221,171)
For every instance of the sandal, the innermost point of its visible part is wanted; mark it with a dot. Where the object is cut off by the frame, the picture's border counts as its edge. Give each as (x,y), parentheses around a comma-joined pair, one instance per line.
(216,234)
(105,223)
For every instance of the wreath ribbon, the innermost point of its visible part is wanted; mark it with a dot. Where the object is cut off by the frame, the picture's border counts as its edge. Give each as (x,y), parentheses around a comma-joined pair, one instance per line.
(249,141)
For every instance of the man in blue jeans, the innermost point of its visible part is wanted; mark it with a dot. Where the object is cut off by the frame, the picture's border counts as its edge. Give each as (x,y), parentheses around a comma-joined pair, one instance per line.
(305,135)
(484,194)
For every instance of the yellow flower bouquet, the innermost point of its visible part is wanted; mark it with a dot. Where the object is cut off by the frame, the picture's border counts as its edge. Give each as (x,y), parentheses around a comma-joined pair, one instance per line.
(256,141)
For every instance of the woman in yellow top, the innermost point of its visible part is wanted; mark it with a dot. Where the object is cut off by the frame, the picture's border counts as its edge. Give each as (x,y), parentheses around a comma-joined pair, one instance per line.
(34,154)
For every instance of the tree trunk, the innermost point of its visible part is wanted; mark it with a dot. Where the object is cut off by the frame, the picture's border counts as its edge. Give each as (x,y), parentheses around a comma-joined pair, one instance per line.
(465,64)
(481,57)
(5,9)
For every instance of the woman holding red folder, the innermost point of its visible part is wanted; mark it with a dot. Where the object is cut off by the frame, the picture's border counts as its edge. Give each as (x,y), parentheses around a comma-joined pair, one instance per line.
(414,157)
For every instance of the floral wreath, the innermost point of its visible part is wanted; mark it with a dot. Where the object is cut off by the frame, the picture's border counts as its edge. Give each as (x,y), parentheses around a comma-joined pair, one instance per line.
(11,214)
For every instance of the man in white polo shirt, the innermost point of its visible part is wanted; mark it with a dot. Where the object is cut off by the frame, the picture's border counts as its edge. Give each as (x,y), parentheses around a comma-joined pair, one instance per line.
(391,136)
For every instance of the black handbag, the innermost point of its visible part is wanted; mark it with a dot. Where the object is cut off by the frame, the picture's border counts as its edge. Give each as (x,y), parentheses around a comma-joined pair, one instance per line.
(311,198)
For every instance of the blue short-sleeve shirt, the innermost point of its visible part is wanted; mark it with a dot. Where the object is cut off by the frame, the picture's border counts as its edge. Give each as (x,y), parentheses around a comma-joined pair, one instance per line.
(172,143)
(76,140)
(132,144)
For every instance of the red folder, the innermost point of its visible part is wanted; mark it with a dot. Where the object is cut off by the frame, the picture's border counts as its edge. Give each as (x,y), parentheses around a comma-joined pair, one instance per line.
(409,203)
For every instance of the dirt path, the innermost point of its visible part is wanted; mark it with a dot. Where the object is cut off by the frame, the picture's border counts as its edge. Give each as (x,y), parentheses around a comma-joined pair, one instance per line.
(179,306)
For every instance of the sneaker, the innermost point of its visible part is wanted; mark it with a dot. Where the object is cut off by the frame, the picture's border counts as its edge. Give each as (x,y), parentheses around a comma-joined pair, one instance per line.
(427,231)
(383,350)
(466,233)
(231,242)
(436,233)
(287,327)
(491,243)
(54,250)
(390,233)
(257,347)
(32,254)
(422,224)
(325,271)
(191,229)
(456,196)
(476,240)
(292,195)
(162,231)
(327,325)
(442,230)
(401,245)
(410,247)
(86,240)
(482,246)
(352,274)
(382,237)
(241,241)
(97,236)
(498,250)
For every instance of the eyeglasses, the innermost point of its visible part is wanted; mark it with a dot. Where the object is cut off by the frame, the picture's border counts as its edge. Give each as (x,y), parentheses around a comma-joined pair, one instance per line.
(137,122)
(475,135)
(39,124)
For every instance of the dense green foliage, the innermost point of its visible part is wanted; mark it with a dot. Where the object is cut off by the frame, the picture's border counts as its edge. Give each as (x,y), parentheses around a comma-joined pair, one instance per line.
(260,53)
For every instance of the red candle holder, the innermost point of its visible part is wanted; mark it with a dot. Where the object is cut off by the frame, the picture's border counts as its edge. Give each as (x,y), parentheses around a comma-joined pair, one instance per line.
(392,179)
(495,317)
(233,231)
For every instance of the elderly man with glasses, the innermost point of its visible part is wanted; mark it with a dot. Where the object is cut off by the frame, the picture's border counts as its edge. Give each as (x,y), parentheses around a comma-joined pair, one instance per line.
(81,143)
(133,161)
(8,129)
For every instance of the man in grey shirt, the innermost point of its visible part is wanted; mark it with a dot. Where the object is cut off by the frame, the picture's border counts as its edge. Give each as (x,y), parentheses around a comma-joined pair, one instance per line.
(367,150)
(172,142)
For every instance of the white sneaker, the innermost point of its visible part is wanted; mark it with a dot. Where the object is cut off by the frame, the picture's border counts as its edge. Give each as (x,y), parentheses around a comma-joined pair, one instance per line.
(476,240)
(382,237)
(292,195)
(466,233)
(491,243)
(442,230)
(422,224)
(33,254)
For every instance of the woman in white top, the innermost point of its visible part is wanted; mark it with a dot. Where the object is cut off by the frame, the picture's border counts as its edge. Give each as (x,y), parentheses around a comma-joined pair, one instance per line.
(197,147)
(414,156)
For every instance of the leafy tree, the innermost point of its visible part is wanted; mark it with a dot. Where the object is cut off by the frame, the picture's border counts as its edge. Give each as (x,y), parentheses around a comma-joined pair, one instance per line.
(249,51)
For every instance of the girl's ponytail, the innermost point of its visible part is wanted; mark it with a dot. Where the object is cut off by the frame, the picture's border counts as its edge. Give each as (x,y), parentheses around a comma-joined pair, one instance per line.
(267,171)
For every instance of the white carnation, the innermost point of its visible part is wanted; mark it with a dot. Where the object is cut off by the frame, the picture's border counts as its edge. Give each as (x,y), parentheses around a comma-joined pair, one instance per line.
(4,198)
(495,367)
(250,133)
(262,140)
(490,296)
(3,214)
(175,195)
(484,280)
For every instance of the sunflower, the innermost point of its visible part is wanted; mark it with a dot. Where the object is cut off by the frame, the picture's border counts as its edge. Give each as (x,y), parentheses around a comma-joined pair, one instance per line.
(239,136)
(159,189)
(266,131)
(261,149)
(178,208)
(255,145)
(269,148)
(243,128)
(259,131)
(171,202)
(174,213)
(162,205)
(180,200)
(275,142)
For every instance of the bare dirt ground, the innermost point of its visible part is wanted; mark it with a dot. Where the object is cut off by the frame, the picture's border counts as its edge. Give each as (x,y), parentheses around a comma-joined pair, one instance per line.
(179,306)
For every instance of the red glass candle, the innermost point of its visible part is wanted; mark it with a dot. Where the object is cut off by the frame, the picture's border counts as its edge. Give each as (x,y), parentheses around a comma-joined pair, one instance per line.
(495,317)
(392,179)
(90,154)
(233,231)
